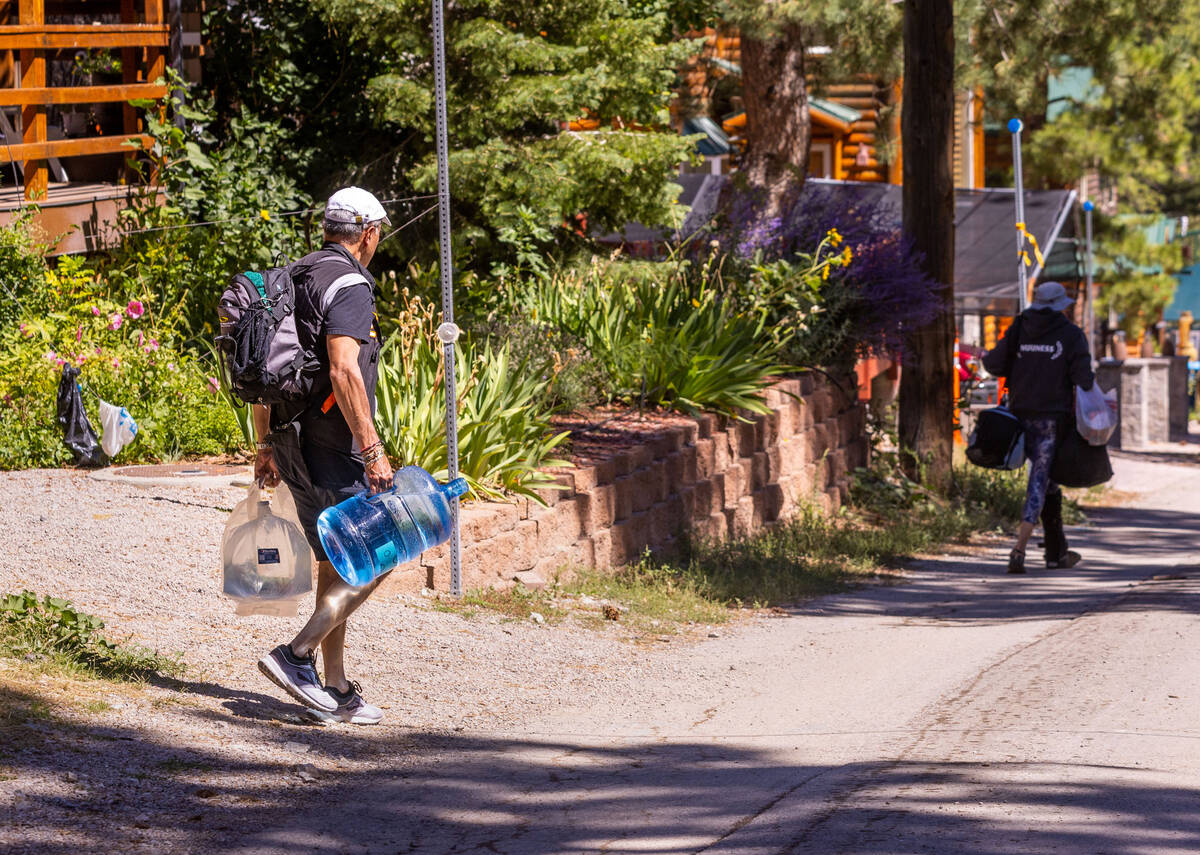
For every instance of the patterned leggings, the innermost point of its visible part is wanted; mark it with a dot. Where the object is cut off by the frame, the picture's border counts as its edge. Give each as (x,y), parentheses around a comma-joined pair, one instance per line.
(1041,439)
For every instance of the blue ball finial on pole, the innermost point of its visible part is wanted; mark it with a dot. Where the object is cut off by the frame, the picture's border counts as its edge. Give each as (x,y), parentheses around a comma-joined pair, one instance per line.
(1015,126)
(1088,206)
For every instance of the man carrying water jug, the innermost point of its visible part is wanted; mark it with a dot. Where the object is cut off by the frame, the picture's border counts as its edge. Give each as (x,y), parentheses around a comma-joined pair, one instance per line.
(329,451)
(1043,355)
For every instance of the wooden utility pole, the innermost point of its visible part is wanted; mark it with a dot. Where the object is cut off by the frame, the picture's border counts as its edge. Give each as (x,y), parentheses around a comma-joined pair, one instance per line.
(927,122)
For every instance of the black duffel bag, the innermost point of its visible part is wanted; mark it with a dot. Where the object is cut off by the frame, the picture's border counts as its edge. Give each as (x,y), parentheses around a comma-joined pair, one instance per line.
(998,440)
(1079,464)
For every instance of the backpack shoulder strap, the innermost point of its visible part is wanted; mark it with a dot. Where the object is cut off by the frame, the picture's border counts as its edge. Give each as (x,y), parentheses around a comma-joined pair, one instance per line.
(346,280)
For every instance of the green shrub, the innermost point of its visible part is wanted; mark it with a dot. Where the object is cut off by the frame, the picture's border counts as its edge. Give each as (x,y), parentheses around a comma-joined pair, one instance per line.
(126,354)
(53,628)
(661,336)
(504,434)
(22,270)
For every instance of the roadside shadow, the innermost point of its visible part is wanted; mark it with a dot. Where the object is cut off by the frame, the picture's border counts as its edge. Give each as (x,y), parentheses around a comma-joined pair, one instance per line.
(1123,548)
(445,792)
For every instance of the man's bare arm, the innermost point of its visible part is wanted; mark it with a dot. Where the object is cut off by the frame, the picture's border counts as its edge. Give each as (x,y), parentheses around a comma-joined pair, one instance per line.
(351,395)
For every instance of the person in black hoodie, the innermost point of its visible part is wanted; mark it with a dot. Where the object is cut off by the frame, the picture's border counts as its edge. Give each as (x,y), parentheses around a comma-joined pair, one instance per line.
(1043,356)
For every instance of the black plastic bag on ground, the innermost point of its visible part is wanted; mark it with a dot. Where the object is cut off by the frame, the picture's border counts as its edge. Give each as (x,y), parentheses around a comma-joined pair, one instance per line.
(1079,464)
(77,430)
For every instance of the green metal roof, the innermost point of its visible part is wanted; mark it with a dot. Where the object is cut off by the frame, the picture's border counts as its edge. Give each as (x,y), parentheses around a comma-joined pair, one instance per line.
(838,111)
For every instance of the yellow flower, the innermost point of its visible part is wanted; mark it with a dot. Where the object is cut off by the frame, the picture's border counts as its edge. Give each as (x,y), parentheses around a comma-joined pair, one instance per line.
(847,255)
(834,237)
(695,302)
(265,214)
(825,272)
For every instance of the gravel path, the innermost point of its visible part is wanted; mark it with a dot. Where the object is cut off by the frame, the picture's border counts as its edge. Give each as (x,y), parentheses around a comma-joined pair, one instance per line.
(147,562)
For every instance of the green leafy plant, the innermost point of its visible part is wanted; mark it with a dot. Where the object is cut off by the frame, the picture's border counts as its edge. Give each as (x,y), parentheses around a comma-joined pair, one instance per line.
(504,435)
(662,337)
(53,628)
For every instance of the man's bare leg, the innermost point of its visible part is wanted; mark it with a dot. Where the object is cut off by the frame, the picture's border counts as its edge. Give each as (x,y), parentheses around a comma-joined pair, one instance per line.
(336,601)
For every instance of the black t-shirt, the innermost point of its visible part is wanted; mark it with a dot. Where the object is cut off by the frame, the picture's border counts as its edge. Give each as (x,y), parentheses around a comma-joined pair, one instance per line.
(335,295)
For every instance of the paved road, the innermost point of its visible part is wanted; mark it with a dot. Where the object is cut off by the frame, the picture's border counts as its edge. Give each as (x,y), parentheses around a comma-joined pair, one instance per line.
(964,712)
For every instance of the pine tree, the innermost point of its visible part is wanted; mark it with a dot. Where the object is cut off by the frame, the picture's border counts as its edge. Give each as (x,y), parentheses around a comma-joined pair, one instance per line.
(353,80)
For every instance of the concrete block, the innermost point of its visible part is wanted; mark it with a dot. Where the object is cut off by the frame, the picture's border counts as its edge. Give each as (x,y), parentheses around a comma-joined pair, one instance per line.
(681,468)
(721,453)
(531,579)
(584,478)
(666,521)
(737,484)
(634,536)
(793,454)
(643,489)
(760,470)
(624,487)
(772,502)
(706,458)
(559,526)
(599,507)
(606,471)
(505,554)
(563,564)
(602,553)
(479,521)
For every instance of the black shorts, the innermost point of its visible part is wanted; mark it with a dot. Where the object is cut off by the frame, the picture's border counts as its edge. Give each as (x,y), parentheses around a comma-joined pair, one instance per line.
(318,476)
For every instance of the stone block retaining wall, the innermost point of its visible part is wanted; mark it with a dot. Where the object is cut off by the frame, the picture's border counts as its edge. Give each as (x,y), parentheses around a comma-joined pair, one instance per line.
(713,477)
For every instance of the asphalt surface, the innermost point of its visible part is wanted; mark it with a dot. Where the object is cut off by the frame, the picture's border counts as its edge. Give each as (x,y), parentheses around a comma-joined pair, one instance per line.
(966,711)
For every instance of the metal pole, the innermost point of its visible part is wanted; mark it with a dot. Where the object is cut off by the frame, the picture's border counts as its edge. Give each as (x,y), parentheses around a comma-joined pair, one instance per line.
(1088,207)
(1015,126)
(447,332)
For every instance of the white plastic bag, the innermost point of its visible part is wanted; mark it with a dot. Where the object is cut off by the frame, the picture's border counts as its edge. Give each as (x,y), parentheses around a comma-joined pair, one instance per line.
(1095,414)
(266,559)
(119,428)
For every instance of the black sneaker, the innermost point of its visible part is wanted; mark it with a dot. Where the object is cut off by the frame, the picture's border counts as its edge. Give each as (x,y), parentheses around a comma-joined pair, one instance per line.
(298,677)
(1016,561)
(1068,559)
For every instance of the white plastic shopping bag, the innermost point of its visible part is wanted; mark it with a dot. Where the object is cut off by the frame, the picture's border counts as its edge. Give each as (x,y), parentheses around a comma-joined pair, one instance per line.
(1095,414)
(119,428)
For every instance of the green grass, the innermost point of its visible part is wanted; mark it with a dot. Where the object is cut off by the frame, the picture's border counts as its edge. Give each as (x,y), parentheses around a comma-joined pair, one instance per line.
(64,640)
(890,518)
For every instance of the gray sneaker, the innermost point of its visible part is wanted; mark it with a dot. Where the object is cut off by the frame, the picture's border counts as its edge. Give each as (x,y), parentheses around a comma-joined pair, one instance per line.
(297,677)
(353,709)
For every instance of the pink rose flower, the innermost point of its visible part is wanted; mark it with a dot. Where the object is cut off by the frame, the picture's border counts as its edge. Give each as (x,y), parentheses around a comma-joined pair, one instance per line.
(51,355)
(60,362)
(214,385)
(97,350)
(116,363)
(153,344)
(141,338)
(79,333)
(115,320)
(95,310)
(81,359)
(135,309)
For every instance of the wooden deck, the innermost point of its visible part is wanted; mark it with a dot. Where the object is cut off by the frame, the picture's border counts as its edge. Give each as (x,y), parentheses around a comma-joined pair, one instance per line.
(74,217)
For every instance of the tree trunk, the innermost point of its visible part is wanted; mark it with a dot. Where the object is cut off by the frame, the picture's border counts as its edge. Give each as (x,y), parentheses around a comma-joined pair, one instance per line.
(927,380)
(778,127)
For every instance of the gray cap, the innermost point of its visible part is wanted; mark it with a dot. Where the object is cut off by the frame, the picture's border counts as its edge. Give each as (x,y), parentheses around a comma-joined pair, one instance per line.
(1051,295)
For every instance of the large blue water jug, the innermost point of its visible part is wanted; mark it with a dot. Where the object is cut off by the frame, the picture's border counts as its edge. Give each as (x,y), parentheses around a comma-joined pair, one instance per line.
(366,536)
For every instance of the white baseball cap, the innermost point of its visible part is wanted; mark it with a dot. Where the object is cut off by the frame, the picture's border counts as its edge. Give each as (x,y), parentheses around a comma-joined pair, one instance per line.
(354,205)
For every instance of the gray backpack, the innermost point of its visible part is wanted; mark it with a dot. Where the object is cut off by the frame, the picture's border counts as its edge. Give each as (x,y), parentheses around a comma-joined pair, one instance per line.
(258,342)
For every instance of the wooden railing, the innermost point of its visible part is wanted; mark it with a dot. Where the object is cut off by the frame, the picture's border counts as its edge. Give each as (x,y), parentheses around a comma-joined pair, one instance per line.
(143,63)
